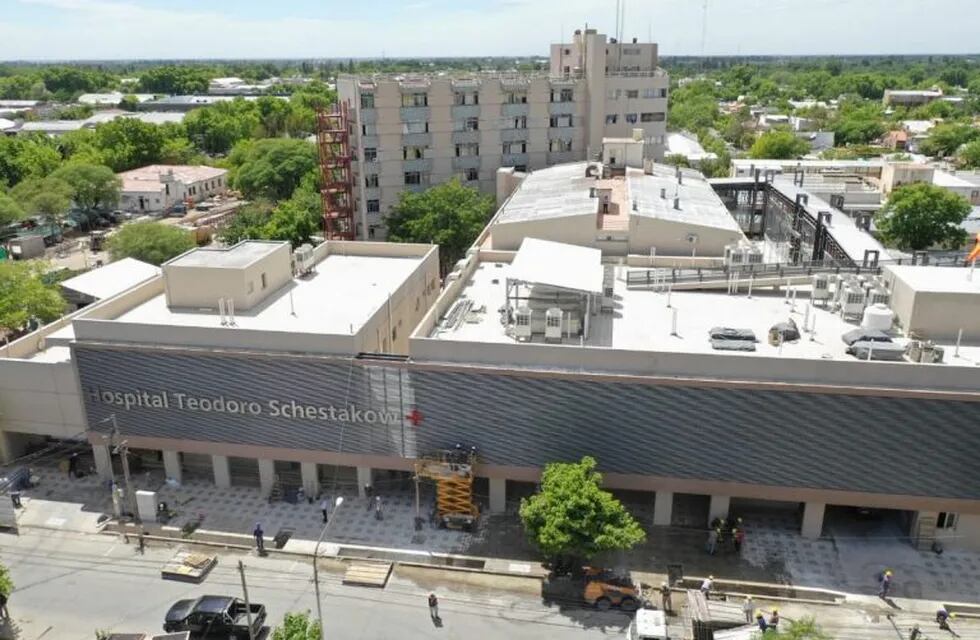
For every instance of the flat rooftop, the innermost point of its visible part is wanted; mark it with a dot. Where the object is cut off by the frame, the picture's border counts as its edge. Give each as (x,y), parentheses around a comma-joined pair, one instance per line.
(698,204)
(235,257)
(556,192)
(338,300)
(937,279)
(641,321)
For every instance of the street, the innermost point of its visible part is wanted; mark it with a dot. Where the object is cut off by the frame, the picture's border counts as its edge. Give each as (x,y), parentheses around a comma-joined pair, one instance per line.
(69,585)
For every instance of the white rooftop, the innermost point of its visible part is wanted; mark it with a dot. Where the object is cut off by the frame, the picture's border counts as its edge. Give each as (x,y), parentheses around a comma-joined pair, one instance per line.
(113,278)
(343,295)
(699,204)
(556,192)
(234,257)
(559,265)
(937,279)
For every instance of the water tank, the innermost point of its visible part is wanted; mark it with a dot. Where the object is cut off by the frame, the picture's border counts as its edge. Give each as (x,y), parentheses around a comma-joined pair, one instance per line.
(878,316)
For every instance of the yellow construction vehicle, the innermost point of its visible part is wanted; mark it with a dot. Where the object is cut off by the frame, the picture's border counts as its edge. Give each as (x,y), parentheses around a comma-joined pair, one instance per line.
(452,472)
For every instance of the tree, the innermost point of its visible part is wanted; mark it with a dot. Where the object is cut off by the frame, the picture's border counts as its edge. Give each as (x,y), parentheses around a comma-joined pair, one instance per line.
(918,216)
(10,211)
(217,128)
(802,629)
(127,143)
(93,186)
(298,218)
(174,79)
(946,139)
(129,102)
(271,168)
(152,242)
(676,160)
(780,145)
(6,583)
(48,197)
(969,155)
(24,157)
(297,626)
(248,224)
(572,517)
(448,214)
(25,297)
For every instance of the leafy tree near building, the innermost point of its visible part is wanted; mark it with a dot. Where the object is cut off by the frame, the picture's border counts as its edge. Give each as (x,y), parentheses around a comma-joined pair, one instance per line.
(297,626)
(450,215)
(129,102)
(175,79)
(946,139)
(93,186)
(152,242)
(919,216)
(25,297)
(22,157)
(780,145)
(10,211)
(271,168)
(128,143)
(47,197)
(969,155)
(573,518)
(248,224)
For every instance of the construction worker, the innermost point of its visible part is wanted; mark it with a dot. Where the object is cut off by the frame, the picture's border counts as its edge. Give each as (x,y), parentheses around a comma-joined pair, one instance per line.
(712,544)
(748,607)
(706,586)
(665,597)
(885,583)
(915,633)
(377,508)
(761,621)
(774,619)
(942,618)
(739,539)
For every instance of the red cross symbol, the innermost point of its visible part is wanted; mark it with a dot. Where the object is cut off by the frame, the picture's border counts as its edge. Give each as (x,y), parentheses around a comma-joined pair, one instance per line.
(415,417)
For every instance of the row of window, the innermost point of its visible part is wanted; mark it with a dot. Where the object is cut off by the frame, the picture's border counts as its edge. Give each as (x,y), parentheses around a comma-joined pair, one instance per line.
(630,94)
(469,124)
(633,118)
(421,99)
(463,150)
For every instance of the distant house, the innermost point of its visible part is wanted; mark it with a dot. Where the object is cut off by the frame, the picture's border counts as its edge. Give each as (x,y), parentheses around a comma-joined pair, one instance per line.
(156,189)
(911,98)
(896,140)
(56,128)
(111,99)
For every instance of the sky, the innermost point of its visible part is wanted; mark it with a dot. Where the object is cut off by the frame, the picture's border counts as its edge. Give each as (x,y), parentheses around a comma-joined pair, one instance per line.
(183,29)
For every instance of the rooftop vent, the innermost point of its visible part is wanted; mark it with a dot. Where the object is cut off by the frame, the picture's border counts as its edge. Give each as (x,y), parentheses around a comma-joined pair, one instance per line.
(677,203)
(663,194)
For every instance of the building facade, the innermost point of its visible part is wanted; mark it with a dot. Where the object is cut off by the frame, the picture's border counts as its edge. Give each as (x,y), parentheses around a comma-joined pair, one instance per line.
(156,189)
(410,132)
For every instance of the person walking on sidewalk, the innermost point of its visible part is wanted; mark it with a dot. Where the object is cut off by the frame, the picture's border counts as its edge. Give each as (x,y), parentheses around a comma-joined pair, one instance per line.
(433,606)
(4,613)
(324,506)
(885,583)
(259,537)
(712,544)
(748,607)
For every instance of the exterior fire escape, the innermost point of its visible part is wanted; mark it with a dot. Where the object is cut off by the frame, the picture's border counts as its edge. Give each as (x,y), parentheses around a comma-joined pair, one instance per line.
(336,179)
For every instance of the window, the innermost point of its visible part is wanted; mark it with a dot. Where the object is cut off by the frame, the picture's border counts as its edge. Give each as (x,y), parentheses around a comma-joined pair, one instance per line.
(656,116)
(553,321)
(631,118)
(265,281)
(467,149)
(415,127)
(520,122)
(611,118)
(369,129)
(413,153)
(560,121)
(559,145)
(520,168)
(371,180)
(662,93)
(568,52)
(466,97)
(415,99)
(251,287)
(413,177)
(471,124)
(515,147)
(632,93)
(472,175)
(367,100)
(370,154)
(373,206)
(522,319)
(946,520)
(516,98)
(613,94)
(562,95)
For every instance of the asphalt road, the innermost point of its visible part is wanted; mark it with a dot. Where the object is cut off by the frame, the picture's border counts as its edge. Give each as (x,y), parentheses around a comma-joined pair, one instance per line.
(68,585)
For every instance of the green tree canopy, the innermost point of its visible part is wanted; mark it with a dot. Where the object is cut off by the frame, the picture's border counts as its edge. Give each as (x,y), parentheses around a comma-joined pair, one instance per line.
(946,139)
(93,186)
(969,155)
(175,79)
(49,197)
(152,242)
(450,215)
(919,216)
(271,168)
(780,145)
(129,102)
(298,218)
(6,583)
(10,211)
(24,297)
(297,626)
(128,143)
(572,516)
(217,128)
(22,157)
(248,224)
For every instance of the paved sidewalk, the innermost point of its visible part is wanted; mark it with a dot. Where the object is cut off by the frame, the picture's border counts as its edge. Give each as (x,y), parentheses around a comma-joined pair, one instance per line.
(774,550)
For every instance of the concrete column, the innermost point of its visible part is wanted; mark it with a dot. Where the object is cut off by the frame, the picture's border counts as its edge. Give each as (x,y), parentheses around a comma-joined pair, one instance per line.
(812,519)
(103,461)
(719,507)
(267,476)
(365,476)
(311,483)
(171,466)
(222,472)
(663,508)
(498,495)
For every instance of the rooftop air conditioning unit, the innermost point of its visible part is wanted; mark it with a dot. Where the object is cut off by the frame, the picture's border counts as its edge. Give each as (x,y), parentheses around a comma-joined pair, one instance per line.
(852,303)
(304,259)
(608,288)
(753,256)
(734,255)
(879,296)
(522,324)
(821,287)
(552,324)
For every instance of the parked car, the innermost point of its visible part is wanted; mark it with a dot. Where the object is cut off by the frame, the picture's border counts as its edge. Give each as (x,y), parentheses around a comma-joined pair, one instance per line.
(214,616)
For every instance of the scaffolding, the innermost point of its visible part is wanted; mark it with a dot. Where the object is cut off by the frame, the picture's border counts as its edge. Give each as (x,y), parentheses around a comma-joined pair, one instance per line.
(336,179)
(452,472)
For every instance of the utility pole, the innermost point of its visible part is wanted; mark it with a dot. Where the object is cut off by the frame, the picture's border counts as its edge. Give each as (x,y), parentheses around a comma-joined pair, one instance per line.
(122,448)
(316,555)
(248,607)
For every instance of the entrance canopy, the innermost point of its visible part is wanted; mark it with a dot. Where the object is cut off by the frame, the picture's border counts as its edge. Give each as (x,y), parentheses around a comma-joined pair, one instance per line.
(554,264)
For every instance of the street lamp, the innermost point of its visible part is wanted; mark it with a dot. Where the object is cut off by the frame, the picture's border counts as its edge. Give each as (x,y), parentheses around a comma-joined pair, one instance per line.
(316,554)
(123,450)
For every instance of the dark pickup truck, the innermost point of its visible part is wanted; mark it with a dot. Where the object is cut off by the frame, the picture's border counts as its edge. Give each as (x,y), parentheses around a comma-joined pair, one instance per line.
(214,616)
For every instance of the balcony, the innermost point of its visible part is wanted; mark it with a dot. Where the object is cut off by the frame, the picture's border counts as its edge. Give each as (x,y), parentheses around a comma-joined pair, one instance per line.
(559,157)
(561,108)
(513,159)
(414,114)
(422,165)
(416,139)
(514,135)
(368,116)
(515,109)
(463,111)
(466,137)
(466,162)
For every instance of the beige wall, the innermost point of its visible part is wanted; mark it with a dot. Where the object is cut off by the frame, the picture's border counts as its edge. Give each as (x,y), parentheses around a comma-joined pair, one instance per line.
(40,398)
(670,238)
(578,230)
(202,286)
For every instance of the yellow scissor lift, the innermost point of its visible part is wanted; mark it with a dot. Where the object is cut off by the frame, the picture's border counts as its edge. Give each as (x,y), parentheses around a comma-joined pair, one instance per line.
(452,472)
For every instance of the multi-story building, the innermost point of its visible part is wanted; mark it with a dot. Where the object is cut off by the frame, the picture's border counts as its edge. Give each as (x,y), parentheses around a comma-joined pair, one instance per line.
(414,131)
